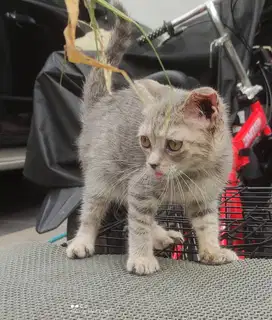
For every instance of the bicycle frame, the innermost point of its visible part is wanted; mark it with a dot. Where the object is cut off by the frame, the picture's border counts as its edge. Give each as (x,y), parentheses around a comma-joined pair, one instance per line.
(256,125)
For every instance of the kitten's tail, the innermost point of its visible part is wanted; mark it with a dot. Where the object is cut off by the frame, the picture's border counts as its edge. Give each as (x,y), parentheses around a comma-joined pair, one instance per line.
(120,40)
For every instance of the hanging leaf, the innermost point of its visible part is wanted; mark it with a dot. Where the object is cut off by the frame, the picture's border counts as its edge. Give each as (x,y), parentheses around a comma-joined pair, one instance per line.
(74,55)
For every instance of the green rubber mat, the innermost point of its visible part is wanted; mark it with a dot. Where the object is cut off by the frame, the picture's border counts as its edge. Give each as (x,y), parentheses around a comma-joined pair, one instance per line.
(37,281)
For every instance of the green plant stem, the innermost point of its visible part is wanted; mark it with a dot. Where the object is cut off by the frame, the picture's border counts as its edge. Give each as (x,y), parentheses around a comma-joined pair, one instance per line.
(125,17)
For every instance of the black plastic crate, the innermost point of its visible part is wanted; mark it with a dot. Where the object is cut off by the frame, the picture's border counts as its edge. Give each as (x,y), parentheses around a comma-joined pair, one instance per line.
(250,234)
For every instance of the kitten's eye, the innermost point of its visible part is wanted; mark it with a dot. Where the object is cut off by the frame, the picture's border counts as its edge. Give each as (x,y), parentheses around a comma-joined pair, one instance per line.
(174,145)
(145,142)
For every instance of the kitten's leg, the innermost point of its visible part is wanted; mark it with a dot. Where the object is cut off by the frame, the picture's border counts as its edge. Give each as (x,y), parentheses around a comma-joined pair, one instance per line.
(206,226)
(164,238)
(141,211)
(93,211)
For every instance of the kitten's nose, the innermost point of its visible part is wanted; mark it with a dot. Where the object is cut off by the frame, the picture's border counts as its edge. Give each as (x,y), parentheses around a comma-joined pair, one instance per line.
(153,165)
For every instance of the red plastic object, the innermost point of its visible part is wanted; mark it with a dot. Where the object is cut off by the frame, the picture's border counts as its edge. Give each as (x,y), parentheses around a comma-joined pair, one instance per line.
(255,126)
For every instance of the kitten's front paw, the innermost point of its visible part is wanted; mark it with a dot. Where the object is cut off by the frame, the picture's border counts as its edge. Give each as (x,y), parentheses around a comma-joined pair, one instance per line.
(143,265)
(80,247)
(163,238)
(220,256)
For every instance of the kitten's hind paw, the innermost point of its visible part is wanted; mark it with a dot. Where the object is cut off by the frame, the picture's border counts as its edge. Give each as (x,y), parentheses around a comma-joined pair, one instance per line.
(220,256)
(143,265)
(80,247)
(177,236)
(162,238)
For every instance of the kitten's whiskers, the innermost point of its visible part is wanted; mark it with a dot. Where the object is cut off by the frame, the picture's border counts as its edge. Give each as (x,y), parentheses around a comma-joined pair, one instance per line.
(200,190)
(190,190)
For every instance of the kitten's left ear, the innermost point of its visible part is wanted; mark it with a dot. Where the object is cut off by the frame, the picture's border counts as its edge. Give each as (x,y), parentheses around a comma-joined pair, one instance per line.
(202,104)
(150,91)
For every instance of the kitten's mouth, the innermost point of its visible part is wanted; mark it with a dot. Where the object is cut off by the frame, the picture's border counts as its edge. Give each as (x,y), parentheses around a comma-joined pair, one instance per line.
(158,174)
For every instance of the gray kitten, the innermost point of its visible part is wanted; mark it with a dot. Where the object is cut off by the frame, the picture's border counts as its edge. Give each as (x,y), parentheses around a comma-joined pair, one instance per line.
(144,154)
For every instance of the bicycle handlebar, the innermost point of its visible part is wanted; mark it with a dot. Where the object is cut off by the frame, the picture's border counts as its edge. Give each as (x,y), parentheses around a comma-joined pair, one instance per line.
(224,40)
(169,26)
(166,27)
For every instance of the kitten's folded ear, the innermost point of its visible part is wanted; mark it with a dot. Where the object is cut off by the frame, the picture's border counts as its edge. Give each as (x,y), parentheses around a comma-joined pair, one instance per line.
(203,104)
(151,91)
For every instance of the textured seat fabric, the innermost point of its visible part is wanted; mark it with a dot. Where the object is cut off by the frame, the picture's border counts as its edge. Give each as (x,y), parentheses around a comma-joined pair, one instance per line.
(37,281)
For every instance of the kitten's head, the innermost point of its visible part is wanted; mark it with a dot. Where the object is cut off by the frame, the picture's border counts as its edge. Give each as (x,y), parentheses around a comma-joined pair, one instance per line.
(190,138)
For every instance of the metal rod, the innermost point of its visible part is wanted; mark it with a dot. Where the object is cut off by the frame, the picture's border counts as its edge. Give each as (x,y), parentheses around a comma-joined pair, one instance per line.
(191,14)
(233,56)
(187,16)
